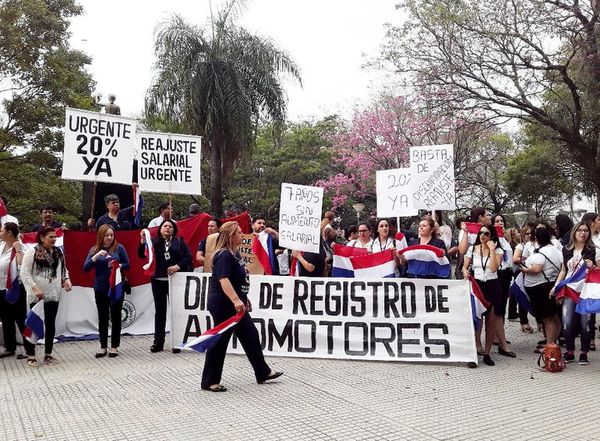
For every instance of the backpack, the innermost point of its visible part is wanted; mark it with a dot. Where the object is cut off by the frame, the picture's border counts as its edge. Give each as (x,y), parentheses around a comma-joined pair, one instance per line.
(551,359)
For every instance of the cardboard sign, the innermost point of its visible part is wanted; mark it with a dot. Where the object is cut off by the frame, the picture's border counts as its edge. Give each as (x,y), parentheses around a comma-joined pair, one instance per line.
(98,147)
(432,177)
(300,217)
(394,195)
(252,263)
(168,162)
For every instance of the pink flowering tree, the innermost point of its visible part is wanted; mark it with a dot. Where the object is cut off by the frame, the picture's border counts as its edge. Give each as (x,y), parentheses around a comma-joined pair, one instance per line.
(378,138)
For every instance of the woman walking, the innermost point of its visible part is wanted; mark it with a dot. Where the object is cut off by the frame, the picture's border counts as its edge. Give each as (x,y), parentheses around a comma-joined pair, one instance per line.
(225,299)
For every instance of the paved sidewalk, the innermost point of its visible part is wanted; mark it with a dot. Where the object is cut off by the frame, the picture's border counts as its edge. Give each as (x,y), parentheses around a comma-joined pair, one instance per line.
(140,395)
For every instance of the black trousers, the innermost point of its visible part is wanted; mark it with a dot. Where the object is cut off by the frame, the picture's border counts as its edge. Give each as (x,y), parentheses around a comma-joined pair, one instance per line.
(106,310)
(246,333)
(11,315)
(160,292)
(50,311)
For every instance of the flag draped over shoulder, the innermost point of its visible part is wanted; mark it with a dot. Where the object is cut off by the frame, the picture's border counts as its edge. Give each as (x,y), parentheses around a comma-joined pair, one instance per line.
(572,286)
(342,264)
(589,300)
(13,287)
(150,266)
(479,304)
(34,323)
(116,287)
(426,260)
(262,247)
(517,290)
(138,206)
(209,338)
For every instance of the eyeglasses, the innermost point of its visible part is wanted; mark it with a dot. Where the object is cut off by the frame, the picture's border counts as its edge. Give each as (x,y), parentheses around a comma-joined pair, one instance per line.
(585,230)
(363,231)
(484,233)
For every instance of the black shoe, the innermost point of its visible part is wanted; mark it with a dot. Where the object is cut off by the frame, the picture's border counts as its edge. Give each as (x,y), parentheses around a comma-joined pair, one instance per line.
(156,348)
(100,354)
(569,356)
(113,354)
(176,350)
(216,388)
(488,360)
(471,365)
(7,354)
(510,354)
(583,359)
(21,356)
(271,377)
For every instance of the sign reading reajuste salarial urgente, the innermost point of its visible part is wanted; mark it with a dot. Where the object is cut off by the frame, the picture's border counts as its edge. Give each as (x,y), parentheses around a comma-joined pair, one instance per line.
(98,147)
(415,320)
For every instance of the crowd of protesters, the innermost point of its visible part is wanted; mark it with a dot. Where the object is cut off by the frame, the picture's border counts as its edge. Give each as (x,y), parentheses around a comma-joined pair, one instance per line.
(491,256)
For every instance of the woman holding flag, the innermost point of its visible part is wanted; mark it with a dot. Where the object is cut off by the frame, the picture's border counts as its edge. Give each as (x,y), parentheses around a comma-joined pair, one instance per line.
(13,305)
(484,259)
(45,275)
(109,304)
(171,254)
(580,253)
(226,300)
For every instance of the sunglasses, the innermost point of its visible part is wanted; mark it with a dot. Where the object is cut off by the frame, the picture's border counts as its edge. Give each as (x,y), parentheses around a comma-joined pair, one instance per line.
(484,233)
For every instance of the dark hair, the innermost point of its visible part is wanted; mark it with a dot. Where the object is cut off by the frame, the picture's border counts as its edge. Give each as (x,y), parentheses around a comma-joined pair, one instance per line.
(46,207)
(43,233)
(12,228)
(110,198)
(588,218)
(172,223)
(546,225)
(351,230)
(542,236)
(460,220)
(564,225)
(438,217)
(376,230)
(493,236)
(258,217)
(502,216)
(430,221)
(163,206)
(476,213)
(217,221)
(588,242)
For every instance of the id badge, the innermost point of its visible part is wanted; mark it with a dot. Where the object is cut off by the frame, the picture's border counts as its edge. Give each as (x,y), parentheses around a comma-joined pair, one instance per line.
(167,255)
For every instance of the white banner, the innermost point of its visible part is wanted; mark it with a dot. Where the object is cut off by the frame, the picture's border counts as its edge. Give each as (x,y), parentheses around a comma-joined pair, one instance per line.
(394,195)
(168,162)
(432,177)
(78,317)
(368,319)
(300,217)
(98,147)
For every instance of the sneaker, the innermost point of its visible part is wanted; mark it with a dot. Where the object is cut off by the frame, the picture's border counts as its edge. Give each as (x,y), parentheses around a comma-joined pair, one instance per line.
(569,356)
(583,360)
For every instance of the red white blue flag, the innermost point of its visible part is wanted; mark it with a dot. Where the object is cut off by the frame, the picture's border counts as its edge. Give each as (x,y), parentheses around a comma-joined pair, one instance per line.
(13,288)
(589,300)
(479,305)
(426,260)
(519,293)
(209,338)
(375,266)
(342,264)
(28,239)
(34,323)
(116,287)
(150,266)
(262,247)
(138,206)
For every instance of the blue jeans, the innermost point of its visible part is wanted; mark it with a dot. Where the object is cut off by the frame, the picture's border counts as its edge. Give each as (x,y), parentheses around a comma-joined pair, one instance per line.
(574,323)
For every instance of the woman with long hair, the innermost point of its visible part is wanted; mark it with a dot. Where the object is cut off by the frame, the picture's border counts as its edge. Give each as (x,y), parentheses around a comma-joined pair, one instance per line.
(100,258)
(484,259)
(540,272)
(171,254)
(45,275)
(478,215)
(326,223)
(225,299)
(382,239)
(13,310)
(364,237)
(427,236)
(579,251)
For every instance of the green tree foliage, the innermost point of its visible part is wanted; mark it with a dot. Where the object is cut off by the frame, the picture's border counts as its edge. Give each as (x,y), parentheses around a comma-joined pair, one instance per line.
(536,60)
(299,155)
(39,75)
(217,82)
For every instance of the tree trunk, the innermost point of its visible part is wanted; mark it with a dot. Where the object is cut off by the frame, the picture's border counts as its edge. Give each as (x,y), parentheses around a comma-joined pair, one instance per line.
(216,176)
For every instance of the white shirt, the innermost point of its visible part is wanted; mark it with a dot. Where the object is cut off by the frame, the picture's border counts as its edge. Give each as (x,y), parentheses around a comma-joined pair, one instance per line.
(530,247)
(156,222)
(550,259)
(482,265)
(376,246)
(4,262)
(356,243)
(507,262)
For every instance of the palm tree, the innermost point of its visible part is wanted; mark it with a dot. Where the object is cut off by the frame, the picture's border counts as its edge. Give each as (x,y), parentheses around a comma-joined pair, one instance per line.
(217,83)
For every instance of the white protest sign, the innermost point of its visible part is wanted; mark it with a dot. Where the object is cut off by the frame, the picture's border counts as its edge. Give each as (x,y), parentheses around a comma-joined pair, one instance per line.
(394,196)
(432,177)
(168,162)
(416,320)
(98,147)
(300,217)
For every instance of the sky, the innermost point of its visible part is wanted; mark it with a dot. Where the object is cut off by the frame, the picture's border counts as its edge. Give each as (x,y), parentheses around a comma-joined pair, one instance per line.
(329,40)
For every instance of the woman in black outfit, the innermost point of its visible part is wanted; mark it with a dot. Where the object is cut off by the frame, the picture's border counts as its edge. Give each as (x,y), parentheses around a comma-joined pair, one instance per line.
(172,254)
(226,299)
